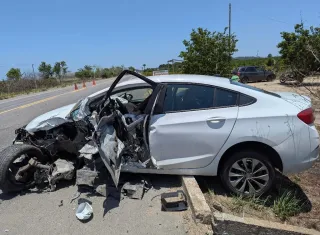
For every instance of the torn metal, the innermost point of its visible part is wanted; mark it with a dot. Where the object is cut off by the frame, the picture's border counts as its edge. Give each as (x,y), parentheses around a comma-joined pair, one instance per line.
(61,170)
(88,150)
(86,177)
(102,131)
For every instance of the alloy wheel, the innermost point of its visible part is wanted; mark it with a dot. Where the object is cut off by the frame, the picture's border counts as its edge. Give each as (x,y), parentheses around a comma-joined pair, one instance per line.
(248,176)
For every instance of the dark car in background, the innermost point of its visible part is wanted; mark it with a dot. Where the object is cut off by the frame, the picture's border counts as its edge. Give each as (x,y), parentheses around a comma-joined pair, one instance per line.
(253,74)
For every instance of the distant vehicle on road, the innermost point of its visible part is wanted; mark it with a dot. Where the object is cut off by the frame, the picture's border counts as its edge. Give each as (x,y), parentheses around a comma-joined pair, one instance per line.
(254,74)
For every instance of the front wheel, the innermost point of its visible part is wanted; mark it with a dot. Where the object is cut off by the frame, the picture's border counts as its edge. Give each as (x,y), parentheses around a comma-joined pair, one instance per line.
(247,173)
(13,160)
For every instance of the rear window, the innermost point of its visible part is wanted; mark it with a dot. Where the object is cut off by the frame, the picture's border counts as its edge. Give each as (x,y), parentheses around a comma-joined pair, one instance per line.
(242,69)
(246,100)
(225,98)
(254,88)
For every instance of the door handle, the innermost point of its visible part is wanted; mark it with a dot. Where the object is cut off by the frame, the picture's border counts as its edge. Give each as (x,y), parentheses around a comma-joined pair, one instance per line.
(216,119)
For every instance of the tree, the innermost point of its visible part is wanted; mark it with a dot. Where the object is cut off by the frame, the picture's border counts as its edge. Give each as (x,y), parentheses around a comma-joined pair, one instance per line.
(270,61)
(88,67)
(64,68)
(60,69)
(14,74)
(45,70)
(84,73)
(144,66)
(208,52)
(97,73)
(131,68)
(105,73)
(300,50)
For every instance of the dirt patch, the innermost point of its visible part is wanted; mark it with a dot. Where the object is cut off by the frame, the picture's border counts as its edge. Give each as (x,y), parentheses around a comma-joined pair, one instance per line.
(310,87)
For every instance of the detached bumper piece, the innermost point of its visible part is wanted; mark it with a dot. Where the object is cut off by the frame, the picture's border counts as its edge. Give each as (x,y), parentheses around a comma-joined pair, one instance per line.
(175,201)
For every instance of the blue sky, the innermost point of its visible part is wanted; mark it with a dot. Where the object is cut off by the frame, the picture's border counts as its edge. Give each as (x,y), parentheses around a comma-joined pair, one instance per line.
(133,32)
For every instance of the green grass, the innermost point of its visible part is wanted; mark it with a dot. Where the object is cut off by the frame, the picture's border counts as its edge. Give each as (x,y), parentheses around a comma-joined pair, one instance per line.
(239,203)
(287,205)
(284,206)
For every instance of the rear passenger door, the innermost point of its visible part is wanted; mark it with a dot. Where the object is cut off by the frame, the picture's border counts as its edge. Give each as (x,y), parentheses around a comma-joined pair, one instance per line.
(195,124)
(252,74)
(260,72)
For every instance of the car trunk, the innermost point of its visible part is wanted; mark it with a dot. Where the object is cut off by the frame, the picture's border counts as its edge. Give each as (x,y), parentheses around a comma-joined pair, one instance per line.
(300,101)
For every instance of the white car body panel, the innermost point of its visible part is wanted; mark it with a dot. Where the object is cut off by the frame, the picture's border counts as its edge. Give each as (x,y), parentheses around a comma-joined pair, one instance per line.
(50,119)
(198,135)
(270,120)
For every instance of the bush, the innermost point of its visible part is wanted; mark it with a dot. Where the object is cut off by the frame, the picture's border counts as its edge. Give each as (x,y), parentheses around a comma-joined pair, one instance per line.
(287,205)
(11,88)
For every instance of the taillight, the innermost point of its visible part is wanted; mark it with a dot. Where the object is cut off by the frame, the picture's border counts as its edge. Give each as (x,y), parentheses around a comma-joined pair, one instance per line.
(306,116)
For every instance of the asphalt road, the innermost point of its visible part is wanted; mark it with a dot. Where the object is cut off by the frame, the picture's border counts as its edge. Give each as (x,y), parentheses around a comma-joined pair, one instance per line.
(40,213)
(20,110)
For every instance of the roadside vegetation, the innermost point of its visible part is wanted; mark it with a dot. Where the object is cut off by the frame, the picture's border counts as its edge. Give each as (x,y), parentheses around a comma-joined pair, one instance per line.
(50,76)
(206,52)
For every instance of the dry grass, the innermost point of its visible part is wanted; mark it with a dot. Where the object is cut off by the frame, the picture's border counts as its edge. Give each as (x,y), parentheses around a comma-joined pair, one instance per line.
(9,89)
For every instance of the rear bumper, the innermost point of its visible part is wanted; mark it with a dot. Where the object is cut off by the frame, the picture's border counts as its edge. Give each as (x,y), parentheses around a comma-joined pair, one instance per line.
(299,152)
(304,165)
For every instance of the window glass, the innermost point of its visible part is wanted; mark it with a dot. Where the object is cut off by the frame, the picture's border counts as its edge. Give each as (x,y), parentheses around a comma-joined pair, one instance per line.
(246,100)
(250,69)
(135,95)
(180,97)
(242,69)
(225,98)
(259,69)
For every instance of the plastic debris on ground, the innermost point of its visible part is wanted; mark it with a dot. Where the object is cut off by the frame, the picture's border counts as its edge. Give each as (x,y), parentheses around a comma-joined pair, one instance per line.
(84,211)
(135,189)
(174,201)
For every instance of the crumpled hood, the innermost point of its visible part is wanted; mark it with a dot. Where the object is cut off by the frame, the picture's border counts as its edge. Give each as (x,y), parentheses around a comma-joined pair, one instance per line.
(300,101)
(50,119)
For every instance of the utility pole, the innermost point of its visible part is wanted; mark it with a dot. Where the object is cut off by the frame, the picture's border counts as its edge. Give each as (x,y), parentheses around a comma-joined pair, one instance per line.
(94,71)
(230,31)
(34,77)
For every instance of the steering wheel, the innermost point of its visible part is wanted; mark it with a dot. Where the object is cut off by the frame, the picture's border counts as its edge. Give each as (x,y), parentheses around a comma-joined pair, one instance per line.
(122,108)
(126,96)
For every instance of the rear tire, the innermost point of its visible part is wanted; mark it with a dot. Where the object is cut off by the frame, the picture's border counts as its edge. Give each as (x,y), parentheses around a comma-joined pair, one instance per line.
(245,80)
(7,158)
(253,179)
(270,78)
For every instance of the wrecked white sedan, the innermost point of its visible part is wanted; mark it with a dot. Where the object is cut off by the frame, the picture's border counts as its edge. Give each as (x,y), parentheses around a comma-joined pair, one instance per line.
(174,124)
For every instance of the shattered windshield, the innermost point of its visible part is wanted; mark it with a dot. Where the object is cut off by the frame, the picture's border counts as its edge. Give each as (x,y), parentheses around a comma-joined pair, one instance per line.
(80,110)
(128,76)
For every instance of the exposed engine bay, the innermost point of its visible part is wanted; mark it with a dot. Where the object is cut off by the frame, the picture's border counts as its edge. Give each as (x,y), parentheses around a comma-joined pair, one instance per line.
(109,128)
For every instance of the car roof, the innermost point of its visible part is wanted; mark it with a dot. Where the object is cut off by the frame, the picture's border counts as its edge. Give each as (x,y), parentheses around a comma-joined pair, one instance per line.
(184,78)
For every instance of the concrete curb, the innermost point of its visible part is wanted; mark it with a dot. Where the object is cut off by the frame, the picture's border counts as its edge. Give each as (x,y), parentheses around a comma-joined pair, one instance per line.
(229,224)
(199,206)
